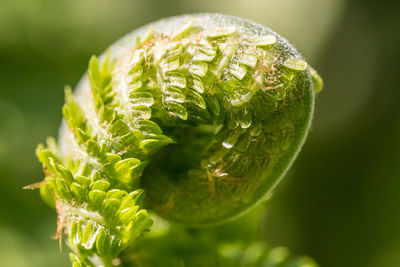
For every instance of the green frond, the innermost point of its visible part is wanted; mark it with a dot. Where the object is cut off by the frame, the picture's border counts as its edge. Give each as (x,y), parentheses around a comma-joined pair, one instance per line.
(205,117)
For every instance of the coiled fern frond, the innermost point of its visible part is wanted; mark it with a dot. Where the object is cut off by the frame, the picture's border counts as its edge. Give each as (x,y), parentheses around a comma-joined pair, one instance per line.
(204,113)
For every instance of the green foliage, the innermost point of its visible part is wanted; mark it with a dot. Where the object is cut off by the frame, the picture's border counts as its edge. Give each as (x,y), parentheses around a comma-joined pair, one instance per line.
(173,245)
(206,120)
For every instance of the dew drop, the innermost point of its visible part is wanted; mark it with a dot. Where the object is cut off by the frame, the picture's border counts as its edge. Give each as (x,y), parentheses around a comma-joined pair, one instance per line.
(227,145)
(245,119)
(231,140)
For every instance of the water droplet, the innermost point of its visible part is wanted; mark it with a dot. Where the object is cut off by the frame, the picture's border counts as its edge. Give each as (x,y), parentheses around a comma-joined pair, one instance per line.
(231,140)
(245,119)
(227,145)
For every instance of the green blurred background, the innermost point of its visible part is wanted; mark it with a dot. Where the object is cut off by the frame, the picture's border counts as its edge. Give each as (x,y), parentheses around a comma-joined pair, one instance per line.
(340,201)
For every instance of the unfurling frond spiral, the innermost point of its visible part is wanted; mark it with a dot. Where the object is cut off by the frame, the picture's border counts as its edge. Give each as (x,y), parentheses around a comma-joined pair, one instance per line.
(203,113)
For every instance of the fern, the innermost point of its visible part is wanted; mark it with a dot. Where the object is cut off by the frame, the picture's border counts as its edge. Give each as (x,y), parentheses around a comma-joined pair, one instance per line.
(204,113)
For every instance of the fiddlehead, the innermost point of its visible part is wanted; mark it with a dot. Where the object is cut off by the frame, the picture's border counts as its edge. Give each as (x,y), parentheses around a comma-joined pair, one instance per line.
(203,112)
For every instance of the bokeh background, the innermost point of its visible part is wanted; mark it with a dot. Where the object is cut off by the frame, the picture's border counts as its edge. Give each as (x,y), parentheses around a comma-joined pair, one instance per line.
(340,203)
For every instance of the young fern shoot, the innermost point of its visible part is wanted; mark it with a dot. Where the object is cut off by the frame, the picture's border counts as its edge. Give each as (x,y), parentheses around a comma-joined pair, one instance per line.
(205,113)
